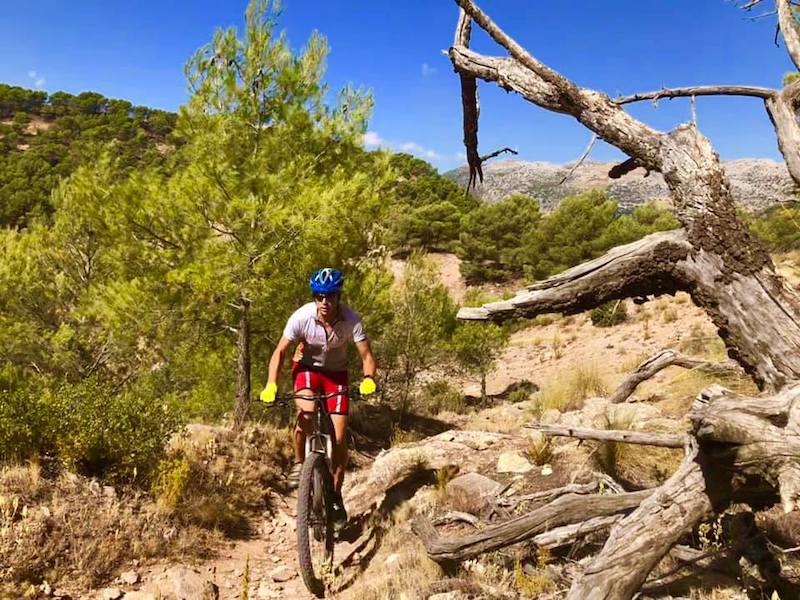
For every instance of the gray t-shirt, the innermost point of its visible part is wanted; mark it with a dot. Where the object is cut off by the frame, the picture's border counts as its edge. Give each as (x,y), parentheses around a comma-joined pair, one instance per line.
(319,350)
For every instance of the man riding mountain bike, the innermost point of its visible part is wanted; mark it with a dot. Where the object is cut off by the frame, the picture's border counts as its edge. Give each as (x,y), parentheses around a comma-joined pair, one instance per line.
(322,329)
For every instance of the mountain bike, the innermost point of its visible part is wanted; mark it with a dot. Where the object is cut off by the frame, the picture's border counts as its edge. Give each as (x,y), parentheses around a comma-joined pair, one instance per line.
(315,531)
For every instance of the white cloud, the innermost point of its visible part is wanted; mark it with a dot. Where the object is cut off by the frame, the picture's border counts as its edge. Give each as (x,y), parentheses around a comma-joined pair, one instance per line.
(427,70)
(461,155)
(415,148)
(373,140)
(38,80)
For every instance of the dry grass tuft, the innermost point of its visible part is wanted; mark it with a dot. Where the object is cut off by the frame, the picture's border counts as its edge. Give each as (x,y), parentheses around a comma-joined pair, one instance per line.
(571,390)
(71,529)
(540,450)
(214,478)
(635,466)
(400,568)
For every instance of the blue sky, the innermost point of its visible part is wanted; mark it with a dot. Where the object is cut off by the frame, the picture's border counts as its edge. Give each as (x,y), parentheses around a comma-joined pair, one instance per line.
(136,50)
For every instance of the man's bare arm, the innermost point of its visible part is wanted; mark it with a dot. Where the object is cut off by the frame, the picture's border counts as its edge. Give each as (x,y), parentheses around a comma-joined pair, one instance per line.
(276,360)
(367,358)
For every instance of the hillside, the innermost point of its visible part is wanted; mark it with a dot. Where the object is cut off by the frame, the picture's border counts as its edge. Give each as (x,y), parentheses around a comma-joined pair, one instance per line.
(757,183)
(45,137)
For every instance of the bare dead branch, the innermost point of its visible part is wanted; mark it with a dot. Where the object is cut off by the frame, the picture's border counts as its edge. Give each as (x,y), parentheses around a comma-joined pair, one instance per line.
(579,162)
(565,510)
(642,538)
(491,155)
(455,516)
(640,268)
(549,495)
(569,534)
(542,85)
(700,90)
(626,167)
(663,440)
(662,360)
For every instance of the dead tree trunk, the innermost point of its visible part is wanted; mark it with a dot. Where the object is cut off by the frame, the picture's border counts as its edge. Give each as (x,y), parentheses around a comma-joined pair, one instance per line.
(713,258)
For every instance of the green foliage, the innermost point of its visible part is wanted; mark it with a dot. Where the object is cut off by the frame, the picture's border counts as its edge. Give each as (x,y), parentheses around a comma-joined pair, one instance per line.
(426,208)
(475,348)
(141,277)
(584,227)
(510,238)
(46,138)
(778,228)
(490,239)
(89,426)
(438,395)
(609,314)
(421,322)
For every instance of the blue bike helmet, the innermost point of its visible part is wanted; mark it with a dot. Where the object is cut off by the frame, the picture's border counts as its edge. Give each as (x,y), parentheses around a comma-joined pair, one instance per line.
(326,281)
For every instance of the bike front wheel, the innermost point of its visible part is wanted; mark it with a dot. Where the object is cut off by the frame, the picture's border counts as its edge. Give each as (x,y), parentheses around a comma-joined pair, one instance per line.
(314,524)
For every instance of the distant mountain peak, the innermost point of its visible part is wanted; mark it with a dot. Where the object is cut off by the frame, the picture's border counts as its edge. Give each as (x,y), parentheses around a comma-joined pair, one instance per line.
(757,183)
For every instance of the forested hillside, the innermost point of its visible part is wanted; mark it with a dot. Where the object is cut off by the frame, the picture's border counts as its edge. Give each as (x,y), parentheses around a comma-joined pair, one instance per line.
(45,137)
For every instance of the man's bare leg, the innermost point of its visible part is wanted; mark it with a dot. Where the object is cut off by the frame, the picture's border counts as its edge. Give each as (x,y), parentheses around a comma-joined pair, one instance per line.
(339,450)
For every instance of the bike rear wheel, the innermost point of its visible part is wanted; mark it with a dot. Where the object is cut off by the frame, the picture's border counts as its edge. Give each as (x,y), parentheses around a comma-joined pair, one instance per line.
(315,535)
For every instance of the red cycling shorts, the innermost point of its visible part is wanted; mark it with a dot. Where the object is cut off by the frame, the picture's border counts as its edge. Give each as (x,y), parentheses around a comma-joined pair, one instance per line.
(323,382)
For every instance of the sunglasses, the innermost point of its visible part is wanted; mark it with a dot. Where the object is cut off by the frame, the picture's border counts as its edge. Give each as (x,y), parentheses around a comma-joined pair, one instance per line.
(329,297)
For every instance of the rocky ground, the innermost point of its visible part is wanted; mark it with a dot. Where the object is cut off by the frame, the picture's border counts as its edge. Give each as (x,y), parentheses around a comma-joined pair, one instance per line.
(488,456)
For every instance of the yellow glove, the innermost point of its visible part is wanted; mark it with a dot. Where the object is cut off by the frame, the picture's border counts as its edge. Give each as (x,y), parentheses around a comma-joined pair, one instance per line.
(268,395)
(367,386)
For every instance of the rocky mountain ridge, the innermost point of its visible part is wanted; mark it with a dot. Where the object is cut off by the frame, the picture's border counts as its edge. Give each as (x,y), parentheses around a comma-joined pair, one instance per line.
(757,183)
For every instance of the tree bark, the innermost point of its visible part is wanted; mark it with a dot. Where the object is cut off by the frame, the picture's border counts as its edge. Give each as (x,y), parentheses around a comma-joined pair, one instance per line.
(743,449)
(566,510)
(789,30)
(642,539)
(242,365)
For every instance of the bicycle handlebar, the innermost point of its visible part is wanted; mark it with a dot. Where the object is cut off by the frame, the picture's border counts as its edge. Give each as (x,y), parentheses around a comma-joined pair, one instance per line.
(353,392)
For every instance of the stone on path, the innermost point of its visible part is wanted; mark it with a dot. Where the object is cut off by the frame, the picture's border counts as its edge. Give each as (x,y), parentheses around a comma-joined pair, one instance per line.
(282,573)
(184,583)
(140,596)
(129,577)
(512,462)
(474,484)
(110,594)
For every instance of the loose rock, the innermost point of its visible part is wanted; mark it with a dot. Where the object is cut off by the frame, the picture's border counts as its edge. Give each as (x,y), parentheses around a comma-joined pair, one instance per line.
(282,573)
(511,462)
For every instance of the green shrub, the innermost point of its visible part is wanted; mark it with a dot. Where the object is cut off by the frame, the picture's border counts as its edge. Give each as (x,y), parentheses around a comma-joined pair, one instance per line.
(609,314)
(438,396)
(115,435)
(23,425)
(90,427)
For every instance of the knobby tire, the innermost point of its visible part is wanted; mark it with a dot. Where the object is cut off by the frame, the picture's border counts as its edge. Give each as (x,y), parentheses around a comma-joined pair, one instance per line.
(315,480)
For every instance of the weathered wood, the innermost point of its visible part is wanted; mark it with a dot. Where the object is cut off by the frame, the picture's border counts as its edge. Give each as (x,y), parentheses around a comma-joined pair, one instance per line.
(663,440)
(565,510)
(789,31)
(642,538)
(549,495)
(639,268)
(758,437)
(456,516)
(781,108)
(662,360)
(699,90)
(569,534)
